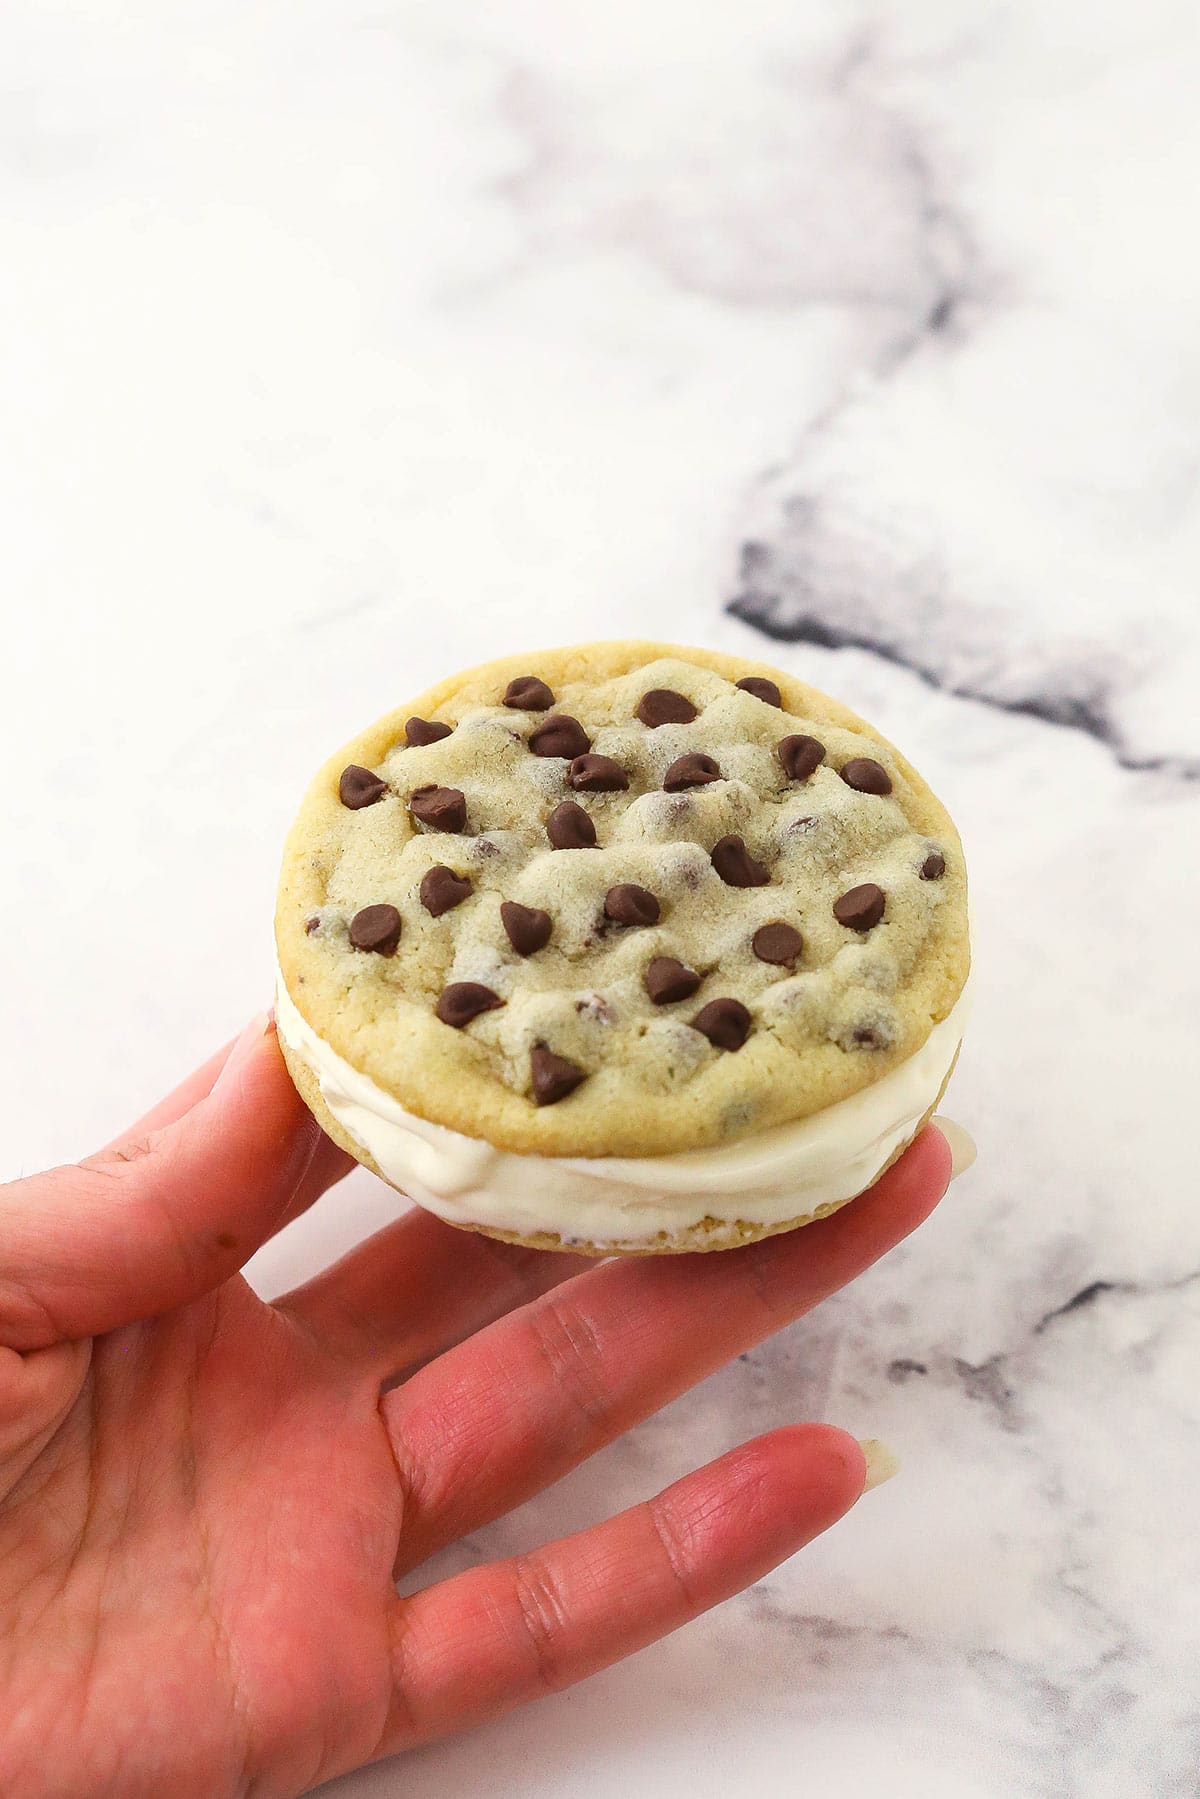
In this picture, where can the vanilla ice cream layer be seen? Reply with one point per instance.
(792, 1170)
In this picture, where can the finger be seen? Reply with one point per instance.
(181, 1099)
(132, 1232)
(416, 1288)
(497, 1636)
(496, 1420)
(328, 1165)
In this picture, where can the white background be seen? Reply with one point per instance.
(342, 345)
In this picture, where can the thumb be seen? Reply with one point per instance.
(155, 1223)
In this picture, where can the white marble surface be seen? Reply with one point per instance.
(342, 344)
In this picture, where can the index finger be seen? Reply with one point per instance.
(158, 1221)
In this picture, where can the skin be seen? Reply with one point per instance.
(205, 1499)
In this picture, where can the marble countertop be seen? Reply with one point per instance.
(343, 345)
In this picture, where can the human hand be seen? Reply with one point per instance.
(204, 1500)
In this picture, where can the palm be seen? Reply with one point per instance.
(204, 1559)
(201, 1515)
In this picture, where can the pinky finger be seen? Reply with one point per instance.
(482, 1642)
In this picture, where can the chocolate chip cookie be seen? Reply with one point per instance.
(622, 900)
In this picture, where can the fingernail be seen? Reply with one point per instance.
(962, 1145)
(882, 1462)
(260, 1025)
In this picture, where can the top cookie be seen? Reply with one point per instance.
(621, 899)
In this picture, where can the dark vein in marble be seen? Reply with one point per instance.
(947, 264)
(755, 605)
(950, 266)
(1086, 1296)
(1095, 1290)
(820, 1634)
(990, 1382)
(904, 1368)
(987, 1383)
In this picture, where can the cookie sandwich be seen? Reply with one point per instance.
(622, 948)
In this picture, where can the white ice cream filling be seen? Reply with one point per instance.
(801, 1169)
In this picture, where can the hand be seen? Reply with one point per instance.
(204, 1499)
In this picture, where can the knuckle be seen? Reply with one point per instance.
(110, 1160)
(672, 1540)
(540, 1615)
(25, 1318)
(763, 1268)
(572, 1351)
(413, 1497)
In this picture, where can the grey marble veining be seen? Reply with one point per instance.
(342, 347)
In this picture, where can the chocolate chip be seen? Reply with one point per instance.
(627, 904)
(725, 1022)
(866, 1038)
(553, 1076)
(761, 688)
(735, 865)
(866, 776)
(527, 927)
(934, 866)
(569, 827)
(861, 908)
(663, 706)
(561, 735)
(442, 890)
(312, 924)
(462, 1001)
(667, 980)
(528, 694)
(376, 928)
(692, 770)
(777, 942)
(358, 787)
(420, 731)
(597, 774)
(441, 808)
(799, 756)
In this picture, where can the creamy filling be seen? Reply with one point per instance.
(800, 1169)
